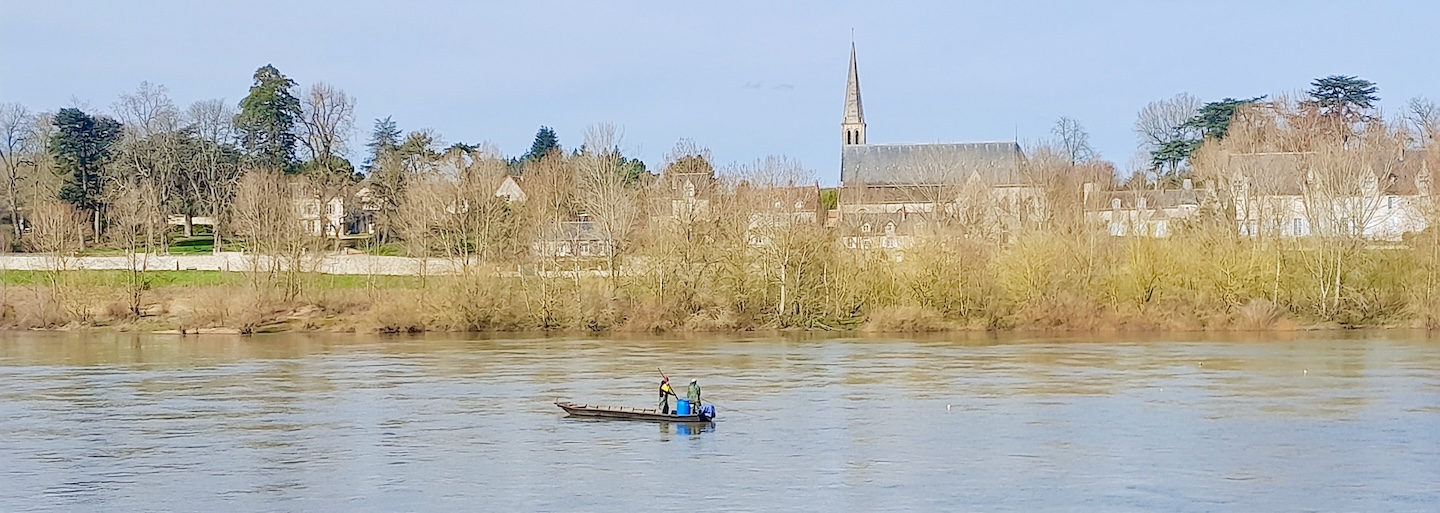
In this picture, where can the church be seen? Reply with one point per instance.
(891, 185)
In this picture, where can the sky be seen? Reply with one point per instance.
(744, 78)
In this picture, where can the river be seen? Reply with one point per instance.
(1313, 422)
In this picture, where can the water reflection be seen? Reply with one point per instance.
(956, 422)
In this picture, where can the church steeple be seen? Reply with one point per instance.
(852, 128)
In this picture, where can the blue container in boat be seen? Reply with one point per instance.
(682, 406)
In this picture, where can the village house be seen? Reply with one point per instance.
(780, 207)
(510, 189)
(889, 231)
(333, 212)
(684, 192)
(1142, 212)
(574, 238)
(1280, 195)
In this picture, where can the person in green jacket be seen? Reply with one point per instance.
(694, 396)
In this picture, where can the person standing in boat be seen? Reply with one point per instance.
(694, 395)
(665, 394)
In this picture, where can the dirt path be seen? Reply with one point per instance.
(325, 264)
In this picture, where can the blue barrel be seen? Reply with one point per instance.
(682, 406)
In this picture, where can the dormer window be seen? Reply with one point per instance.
(889, 228)
(865, 228)
(799, 205)
(1115, 203)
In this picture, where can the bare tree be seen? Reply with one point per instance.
(156, 150)
(216, 163)
(326, 124)
(17, 138)
(59, 231)
(614, 206)
(1072, 139)
(135, 213)
(147, 111)
(267, 214)
(1423, 115)
(1163, 121)
(791, 256)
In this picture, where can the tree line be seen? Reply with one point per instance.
(731, 254)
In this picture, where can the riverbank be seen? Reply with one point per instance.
(231, 302)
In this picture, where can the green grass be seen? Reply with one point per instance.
(119, 277)
(386, 250)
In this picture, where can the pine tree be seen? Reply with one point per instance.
(545, 142)
(82, 146)
(1341, 97)
(384, 138)
(267, 118)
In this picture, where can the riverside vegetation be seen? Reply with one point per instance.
(79, 182)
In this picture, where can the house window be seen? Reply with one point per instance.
(1115, 203)
(689, 189)
(799, 204)
(889, 228)
(1390, 202)
(865, 243)
(865, 228)
(777, 205)
(850, 242)
(890, 242)
(1299, 227)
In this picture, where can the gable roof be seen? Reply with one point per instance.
(992, 163)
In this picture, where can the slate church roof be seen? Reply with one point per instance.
(993, 163)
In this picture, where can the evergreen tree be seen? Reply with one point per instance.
(81, 146)
(384, 138)
(545, 142)
(267, 118)
(632, 169)
(1341, 97)
(1213, 120)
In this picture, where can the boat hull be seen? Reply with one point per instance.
(626, 413)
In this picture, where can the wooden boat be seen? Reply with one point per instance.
(626, 413)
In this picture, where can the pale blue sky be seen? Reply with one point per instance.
(745, 78)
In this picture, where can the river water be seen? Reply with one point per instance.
(106, 422)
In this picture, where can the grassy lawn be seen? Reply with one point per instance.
(117, 277)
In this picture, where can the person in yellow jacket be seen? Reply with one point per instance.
(665, 394)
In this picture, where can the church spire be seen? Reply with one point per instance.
(853, 126)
